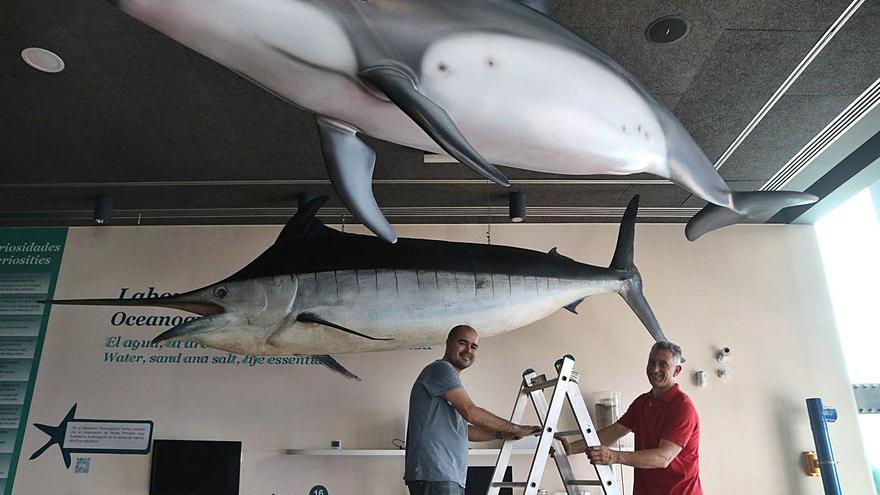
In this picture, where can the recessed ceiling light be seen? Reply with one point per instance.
(42, 59)
(667, 29)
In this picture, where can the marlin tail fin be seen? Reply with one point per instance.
(631, 290)
(753, 206)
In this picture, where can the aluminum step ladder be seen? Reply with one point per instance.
(565, 389)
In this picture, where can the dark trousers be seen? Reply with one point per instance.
(434, 488)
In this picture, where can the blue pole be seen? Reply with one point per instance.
(820, 416)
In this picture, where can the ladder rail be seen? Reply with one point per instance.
(554, 410)
(562, 464)
(591, 437)
(504, 453)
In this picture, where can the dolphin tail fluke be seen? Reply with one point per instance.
(631, 289)
(753, 207)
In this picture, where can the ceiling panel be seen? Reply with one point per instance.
(738, 77)
(781, 135)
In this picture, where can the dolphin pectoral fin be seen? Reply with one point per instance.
(313, 318)
(400, 88)
(334, 365)
(750, 206)
(350, 165)
(572, 306)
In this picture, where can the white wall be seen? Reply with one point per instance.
(757, 289)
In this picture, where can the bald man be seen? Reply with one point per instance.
(443, 418)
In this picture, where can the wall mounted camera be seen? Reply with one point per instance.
(723, 354)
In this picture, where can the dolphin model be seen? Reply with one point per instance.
(485, 81)
(317, 292)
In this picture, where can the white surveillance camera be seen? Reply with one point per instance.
(723, 354)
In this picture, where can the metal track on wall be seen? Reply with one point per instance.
(391, 212)
(326, 182)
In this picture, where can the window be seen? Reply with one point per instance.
(849, 240)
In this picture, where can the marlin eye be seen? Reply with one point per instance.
(221, 292)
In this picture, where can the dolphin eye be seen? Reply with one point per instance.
(221, 292)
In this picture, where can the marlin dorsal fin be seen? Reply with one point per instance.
(304, 223)
(554, 252)
(572, 306)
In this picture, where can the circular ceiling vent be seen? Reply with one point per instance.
(42, 59)
(667, 29)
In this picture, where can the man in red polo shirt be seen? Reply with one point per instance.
(667, 430)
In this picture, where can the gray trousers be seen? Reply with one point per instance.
(434, 488)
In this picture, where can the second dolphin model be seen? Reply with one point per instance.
(486, 81)
(317, 291)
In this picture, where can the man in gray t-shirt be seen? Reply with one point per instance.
(439, 412)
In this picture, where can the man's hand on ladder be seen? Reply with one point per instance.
(522, 432)
(565, 446)
(602, 455)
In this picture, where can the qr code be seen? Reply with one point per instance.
(82, 464)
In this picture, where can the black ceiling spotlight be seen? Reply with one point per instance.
(667, 29)
(103, 209)
(517, 207)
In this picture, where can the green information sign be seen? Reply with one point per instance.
(29, 263)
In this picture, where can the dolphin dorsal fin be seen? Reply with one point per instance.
(543, 6)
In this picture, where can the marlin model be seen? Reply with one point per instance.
(485, 81)
(317, 291)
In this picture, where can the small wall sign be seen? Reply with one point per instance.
(319, 490)
(96, 436)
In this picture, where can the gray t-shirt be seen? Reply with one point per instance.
(436, 436)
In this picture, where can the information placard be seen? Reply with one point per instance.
(100, 436)
(96, 436)
(29, 263)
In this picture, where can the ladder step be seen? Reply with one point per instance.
(584, 482)
(541, 385)
(522, 484)
(509, 484)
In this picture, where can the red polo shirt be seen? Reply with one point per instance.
(672, 417)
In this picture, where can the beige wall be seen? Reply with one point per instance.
(757, 289)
